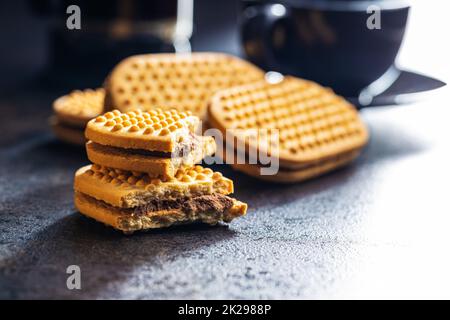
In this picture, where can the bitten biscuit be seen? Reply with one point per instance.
(312, 122)
(67, 133)
(184, 82)
(141, 161)
(78, 107)
(155, 130)
(129, 222)
(131, 201)
(127, 189)
(156, 142)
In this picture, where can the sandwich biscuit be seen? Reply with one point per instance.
(184, 82)
(316, 130)
(156, 142)
(131, 201)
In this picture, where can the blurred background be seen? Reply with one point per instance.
(36, 42)
(35, 39)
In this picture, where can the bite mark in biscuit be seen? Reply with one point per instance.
(123, 220)
(155, 164)
(67, 133)
(131, 201)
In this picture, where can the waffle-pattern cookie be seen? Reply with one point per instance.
(182, 81)
(158, 167)
(131, 201)
(156, 142)
(155, 130)
(311, 124)
(78, 107)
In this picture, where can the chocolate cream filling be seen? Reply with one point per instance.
(182, 149)
(214, 203)
(211, 203)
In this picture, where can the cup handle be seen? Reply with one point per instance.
(258, 33)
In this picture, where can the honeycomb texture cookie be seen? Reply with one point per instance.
(312, 122)
(131, 201)
(154, 166)
(185, 82)
(127, 189)
(123, 220)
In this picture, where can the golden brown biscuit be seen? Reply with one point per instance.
(78, 107)
(131, 201)
(67, 133)
(141, 161)
(127, 189)
(308, 172)
(129, 222)
(175, 81)
(311, 121)
(155, 130)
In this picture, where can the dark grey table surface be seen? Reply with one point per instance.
(378, 228)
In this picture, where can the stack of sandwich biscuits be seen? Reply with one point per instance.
(144, 174)
(184, 82)
(316, 130)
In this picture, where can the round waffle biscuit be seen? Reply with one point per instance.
(185, 82)
(152, 165)
(125, 199)
(311, 122)
(78, 107)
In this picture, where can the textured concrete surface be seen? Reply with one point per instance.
(378, 228)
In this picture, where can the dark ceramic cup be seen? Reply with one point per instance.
(344, 44)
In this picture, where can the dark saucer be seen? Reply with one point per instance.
(396, 87)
